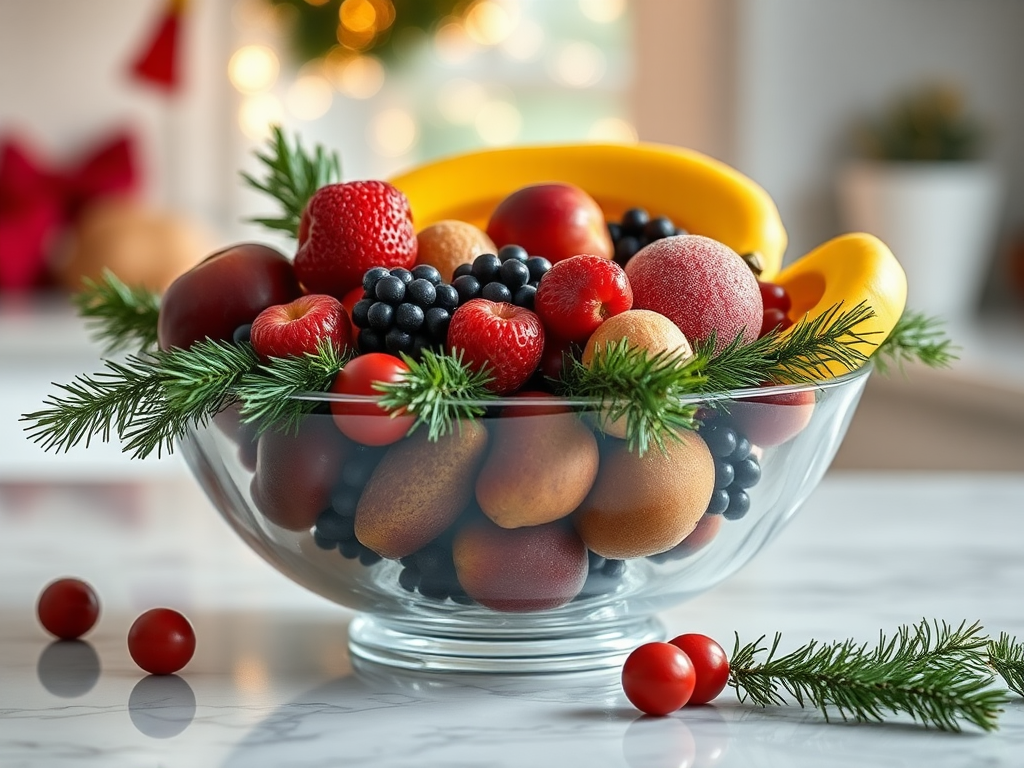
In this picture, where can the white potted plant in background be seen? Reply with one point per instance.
(922, 188)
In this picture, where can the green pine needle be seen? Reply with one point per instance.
(292, 176)
(932, 673)
(440, 390)
(915, 337)
(1006, 656)
(271, 395)
(118, 316)
(148, 401)
(627, 382)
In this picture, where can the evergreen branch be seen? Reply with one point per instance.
(148, 401)
(929, 673)
(915, 337)
(268, 395)
(117, 315)
(643, 389)
(440, 390)
(292, 176)
(1006, 656)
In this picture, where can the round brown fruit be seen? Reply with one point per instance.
(542, 464)
(773, 419)
(524, 569)
(644, 505)
(701, 285)
(450, 243)
(222, 292)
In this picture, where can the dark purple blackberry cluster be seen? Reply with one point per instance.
(431, 572)
(638, 229)
(510, 276)
(404, 311)
(603, 576)
(335, 526)
(736, 470)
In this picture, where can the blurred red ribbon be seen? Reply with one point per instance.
(37, 202)
(157, 63)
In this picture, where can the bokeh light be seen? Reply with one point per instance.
(393, 132)
(578, 64)
(253, 68)
(309, 97)
(358, 15)
(358, 77)
(498, 122)
(488, 22)
(257, 113)
(614, 130)
(525, 42)
(452, 43)
(603, 11)
(460, 99)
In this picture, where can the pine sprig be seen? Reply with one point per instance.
(440, 390)
(148, 401)
(919, 337)
(1006, 656)
(921, 672)
(292, 176)
(271, 395)
(645, 390)
(118, 316)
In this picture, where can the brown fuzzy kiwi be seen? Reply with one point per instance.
(449, 243)
(418, 489)
(643, 505)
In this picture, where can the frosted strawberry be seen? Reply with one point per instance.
(507, 339)
(348, 228)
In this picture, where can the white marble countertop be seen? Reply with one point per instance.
(272, 685)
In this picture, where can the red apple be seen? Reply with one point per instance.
(555, 221)
(225, 290)
(773, 419)
(701, 285)
(298, 328)
(580, 293)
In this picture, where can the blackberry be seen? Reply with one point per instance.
(511, 275)
(335, 526)
(603, 575)
(404, 310)
(638, 229)
(736, 470)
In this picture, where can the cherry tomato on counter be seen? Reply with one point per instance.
(161, 641)
(710, 665)
(68, 608)
(658, 678)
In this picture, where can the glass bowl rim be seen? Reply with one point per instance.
(746, 393)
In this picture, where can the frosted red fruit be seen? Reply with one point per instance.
(701, 285)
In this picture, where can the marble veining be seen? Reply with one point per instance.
(272, 683)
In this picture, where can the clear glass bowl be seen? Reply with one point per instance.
(456, 591)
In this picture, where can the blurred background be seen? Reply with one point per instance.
(124, 125)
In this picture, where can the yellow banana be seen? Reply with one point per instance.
(700, 194)
(848, 269)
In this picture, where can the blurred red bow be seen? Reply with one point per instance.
(35, 203)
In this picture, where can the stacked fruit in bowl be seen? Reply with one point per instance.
(511, 404)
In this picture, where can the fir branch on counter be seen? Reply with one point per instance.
(440, 390)
(268, 394)
(931, 673)
(292, 176)
(148, 401)
(1006, 656)
(629, 383)
(118, 316)
(915, 336)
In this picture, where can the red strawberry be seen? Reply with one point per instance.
(287, 330)
(348, 228)
(578, 294)
(509, 340)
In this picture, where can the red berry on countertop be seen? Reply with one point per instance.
(348, 228)
(658, 678)
(68, 608)
(710, 665)
(298, 328)
(578, 294)
(161, 641)
(507, 340)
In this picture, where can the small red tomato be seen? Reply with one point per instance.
(774, 296)
(161, 641)
(658, 678)
(710, 665)
(68, 608)
(368, 423)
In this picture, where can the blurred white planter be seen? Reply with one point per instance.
(939, 219)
